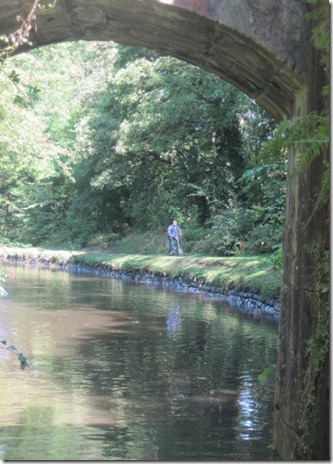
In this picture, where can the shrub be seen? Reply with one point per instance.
(228, 230)
(264, 238)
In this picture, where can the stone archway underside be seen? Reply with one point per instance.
(258, 46)
(263, 47)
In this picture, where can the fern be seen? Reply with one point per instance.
(308, 135)
(324, 192)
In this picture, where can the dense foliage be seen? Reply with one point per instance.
(100, 142)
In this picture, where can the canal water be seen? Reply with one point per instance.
(125, 371)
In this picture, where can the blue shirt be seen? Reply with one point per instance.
(174, 230)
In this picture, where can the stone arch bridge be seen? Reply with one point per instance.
(264, 48)
(260, 46)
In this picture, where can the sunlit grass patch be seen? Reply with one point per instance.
(241, 273)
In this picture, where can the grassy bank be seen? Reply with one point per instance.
(243, 273)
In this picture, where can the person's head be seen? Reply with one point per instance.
(174, 223)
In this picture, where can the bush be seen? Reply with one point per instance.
(228, 231)
(103, 241)
(192, 236)
(142, 243)
(264, 238)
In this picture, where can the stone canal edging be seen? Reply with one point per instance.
(248, 302)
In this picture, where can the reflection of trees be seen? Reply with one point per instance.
(168, 397)
(152, 376)
(38, 438)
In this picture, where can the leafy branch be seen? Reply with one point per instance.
(21, 35)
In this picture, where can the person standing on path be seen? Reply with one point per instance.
(173, 231)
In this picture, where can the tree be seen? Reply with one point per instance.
(120, 130)
(172, 138)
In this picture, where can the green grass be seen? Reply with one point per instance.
(242, 273)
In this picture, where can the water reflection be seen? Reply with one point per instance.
(129, 372)
(173, 318)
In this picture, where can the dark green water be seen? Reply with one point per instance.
(122, 371)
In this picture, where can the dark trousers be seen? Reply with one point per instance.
(172, 248)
